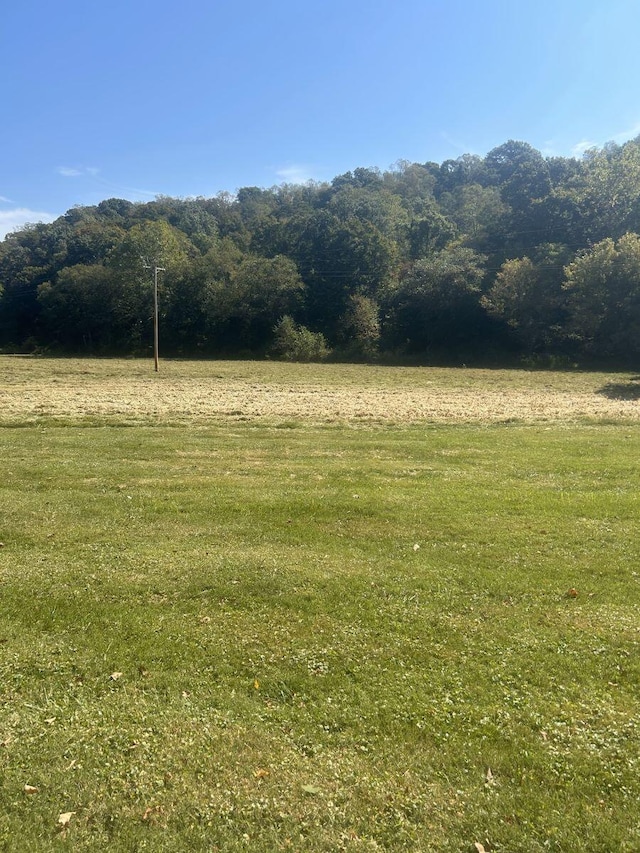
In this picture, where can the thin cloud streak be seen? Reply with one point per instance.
(295, 174)
(625, 135)
(93, 173)
(75, 172)
(11, 220)
(581, 147)
(457, 144)
(131, 190)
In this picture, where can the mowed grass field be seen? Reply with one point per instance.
(253, 606)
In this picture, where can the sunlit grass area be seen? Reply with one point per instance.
(286, 634)
(182, 392)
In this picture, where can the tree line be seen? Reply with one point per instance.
(509, 256)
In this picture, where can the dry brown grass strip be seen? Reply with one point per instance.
(129, 390)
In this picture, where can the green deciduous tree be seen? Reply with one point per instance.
(477, 211)
(608, 192)
(131, 265)
(337, 258)
(429, 230)
(528, 296)
(78, 310)
(437, 304)
(243, 296)
(294, 342)
(521, 172)
(359, 333)
(264, 289)
(603, 290)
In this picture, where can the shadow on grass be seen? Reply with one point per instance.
(629, 390)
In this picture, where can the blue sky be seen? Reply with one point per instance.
(138, 98)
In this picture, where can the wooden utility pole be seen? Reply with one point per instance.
(156, 349)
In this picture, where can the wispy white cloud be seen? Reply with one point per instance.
(132, 193)
(93, 172)
(580, 147)
(625, 135)
(549, 149)
(77, 171)
(295, 174)
(458, 144)
(5, 200)
(18, 217)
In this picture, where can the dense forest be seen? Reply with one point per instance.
(512, 256)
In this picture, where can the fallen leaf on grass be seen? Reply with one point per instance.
(416, 547)
(479, 847)
(151, 811)
(31, 789)
(261, 773)
(310, 789)
(490, 777)
(115, 676)
(65, 818)
(256, 684)
(572, 593)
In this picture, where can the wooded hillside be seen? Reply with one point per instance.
(512, 255)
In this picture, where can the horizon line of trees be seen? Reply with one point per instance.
(509, 256)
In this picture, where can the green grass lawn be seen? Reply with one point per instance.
(285, 636)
